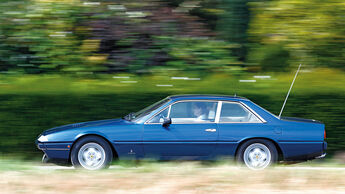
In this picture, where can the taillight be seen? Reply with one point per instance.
(324, 134)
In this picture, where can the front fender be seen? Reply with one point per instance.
(98, 133)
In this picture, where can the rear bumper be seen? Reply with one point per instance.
(322, 156)
(310, 156)
(324, 146)
(324, 151)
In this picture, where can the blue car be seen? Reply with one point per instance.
(188, 127)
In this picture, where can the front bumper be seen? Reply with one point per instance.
(55, 150)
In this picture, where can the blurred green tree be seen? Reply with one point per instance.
(197, 54)
(37, 36)
(54, 36)
(271, 57)
(311, 31)
(160, 35)
(233, 25)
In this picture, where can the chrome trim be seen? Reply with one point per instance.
(322, 156)
(169, 111)
(256, 114)
(219, 108)
(218, 112)
(56, 149)
(249, 109)
(183, 123)
(239, 122)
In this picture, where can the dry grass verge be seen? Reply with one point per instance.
(185, 177)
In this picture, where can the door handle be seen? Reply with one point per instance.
(210, 130)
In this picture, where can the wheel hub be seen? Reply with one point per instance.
(257, 156)
(91, 156)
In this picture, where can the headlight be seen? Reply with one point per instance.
(42, 138)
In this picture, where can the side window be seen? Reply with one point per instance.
(235, 112)
(193, 112)
(159, 118)
(180, 110)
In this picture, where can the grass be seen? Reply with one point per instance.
(14, 165)
(311, 81)
(171, 177)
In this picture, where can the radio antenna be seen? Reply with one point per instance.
(287, 96)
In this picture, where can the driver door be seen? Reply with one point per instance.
(188, 135)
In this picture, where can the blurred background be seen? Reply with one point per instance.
(67, 61)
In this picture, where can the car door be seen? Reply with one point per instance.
(238, 122)
(192, 132)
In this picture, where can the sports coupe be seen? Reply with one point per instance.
(188, 127)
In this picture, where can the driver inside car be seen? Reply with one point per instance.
(199, 110)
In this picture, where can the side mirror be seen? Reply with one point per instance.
(166, 122)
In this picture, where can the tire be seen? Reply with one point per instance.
(45, 158)
(91, 153)
(257, 154)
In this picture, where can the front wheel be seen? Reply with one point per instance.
(91, 153)
(45, 158)
(257, 154)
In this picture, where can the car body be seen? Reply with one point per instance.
(174, 129)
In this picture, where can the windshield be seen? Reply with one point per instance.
(147, 110)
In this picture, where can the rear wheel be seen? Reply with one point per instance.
(257, 154)
(91, 153)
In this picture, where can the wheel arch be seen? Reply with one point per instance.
(115, 154)
(280, 152)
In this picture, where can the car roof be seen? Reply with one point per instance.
(205, 97)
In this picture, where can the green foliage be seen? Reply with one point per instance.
(37, 36)
(24, 117)
(31, 104)
(197, 54)
(311, 30)
(211, 40)
(210, 11)
(233, 25)
(79, 37)
(271, 57)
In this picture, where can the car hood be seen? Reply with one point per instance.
(300, 120)
(85, 124)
